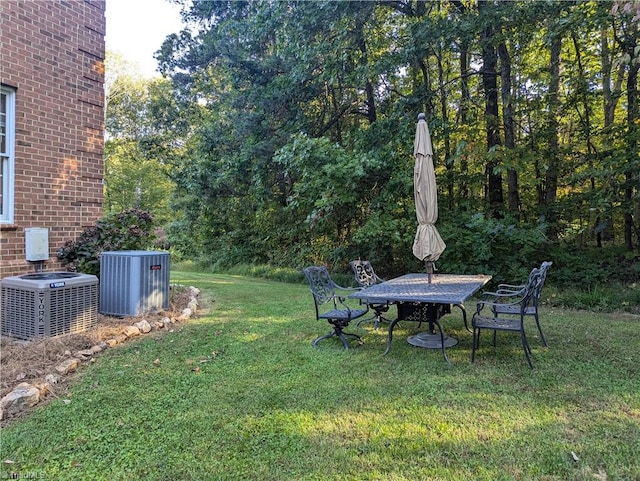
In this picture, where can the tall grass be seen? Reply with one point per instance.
(240, 394)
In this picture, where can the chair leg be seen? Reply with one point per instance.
(372, 318)
(344, 340)
(344, 335)
(338, 332)
(544, 341)
(377, 319)
(380, 319)
(526, 348)
(476, 344)
(321, 338)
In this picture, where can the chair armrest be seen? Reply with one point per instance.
(491, 303)
(350, 289)
(512, 292)
(491, 299)
(486, 296)
(344, 295)
(343, 300)
(510, 288)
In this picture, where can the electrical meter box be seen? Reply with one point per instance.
(36, 241)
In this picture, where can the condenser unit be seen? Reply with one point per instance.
(47, 304)
(133, 283)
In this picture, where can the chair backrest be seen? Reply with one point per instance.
(544, 267)
(533, 286)
(322, 286)
(364, 273)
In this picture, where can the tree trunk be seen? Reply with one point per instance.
(490, 84)
(465, 100)
(631, 172)
(509, 129)
(551, 176)
(444, 112)
(610, 97)
(364, 63)
(602, 229)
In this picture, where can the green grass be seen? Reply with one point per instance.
(265, 405)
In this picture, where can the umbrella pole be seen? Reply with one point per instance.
(429, 268)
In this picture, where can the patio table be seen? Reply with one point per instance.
(419, 300)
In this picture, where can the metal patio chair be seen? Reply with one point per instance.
(331, 306)
(532, 309)
(491, 320)
(366, 277)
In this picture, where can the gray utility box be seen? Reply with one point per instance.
(133, 283)
(48, 304)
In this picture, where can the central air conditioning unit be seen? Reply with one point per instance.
(48, 304)
(133, 283)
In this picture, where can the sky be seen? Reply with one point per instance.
(137, 28)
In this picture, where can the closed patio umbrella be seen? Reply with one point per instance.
(427, 245)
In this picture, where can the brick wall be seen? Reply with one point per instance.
(52, 52)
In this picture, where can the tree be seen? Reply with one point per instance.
(491, 111)
(139, 143)
(297, 147)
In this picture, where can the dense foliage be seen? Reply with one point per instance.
(139, 142)
(293, 127)
(132, 229)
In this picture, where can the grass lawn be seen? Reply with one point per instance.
(240, 394)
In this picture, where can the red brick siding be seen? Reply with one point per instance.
(52, 53)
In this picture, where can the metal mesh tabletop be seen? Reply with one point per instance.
(422, 301)
(444, 289)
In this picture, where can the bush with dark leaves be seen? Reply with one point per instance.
(132, 229)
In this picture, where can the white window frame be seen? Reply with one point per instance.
(8, 156)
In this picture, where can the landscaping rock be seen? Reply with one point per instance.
(131, 331)
(21, 398)
(68, 366)
(84, 354)
(44, 388)
(111, 342)
(143, 326)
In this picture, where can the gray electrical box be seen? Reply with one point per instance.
(36, 240)
(133, 283)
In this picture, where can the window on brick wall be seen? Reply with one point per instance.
(7, 140)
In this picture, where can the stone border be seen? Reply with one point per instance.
(25, 395)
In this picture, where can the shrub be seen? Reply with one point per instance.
(501, 247)
(131, 229)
